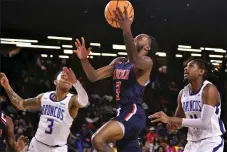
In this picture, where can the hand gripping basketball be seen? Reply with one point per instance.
(125, 8)
(122, 18)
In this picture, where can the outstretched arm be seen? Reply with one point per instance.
(21, 104)
(210, 99)
(92, 74)
(95, 75)
(179, 112)
(16, 100)
(144, 63)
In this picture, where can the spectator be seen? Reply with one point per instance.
(160, 149)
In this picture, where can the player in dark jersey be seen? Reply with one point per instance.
(130, 78)
(7, 136)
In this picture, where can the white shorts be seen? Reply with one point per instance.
(36, 146)
(212, 144)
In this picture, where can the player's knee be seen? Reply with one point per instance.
(97, 140)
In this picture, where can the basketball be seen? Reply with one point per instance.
(112, 6)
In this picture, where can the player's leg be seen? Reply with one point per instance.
(212, 144)
(36, 146)
(32, 146)
(190, 147)
(60, 149)
(133, 123)
(111, 131)
(128, 144)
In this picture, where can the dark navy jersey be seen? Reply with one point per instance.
(2, 132)
(126, 86)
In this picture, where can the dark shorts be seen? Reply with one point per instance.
(133, 118)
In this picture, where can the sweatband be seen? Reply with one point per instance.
(203, 122)
(82, 94)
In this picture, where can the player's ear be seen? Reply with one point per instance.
(55, 82)
(201, 72)
(147, 48)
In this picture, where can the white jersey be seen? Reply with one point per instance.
(55, 120)
(192, 105)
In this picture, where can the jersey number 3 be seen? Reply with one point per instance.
(50, 126)
(118, 90)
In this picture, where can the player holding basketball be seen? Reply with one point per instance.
(7, 136)
(199, 109)
(58, 109)
(130, 78)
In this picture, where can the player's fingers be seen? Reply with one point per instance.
(125, 12)
(120, 13)
(83, 41)
(66, 70)
(78, 43)
(116, 18)
(20, 137)
(71, 71)
(75, 51)
(89, 50)
(155, 115)
(155, 120)
(150, 117)
(26, 140)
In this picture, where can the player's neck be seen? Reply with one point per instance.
(195, 86)
(60, 94)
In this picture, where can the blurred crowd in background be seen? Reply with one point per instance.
(30, 75)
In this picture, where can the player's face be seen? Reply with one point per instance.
(142, 44)
(62, 81)
(192, 71)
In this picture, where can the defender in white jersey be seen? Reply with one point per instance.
(199, 109)
(58, 109)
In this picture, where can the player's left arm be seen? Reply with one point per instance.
(210, 99)
(78, 101)
(81, 99)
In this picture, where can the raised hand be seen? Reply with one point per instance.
(123, 19)
(159, 116)
(81, 51)
(70, 75)
(4, 80)
(21, 142)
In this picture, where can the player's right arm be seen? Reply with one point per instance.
(16, 100)
(92, 74)
(95, 75)
(179, 111)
